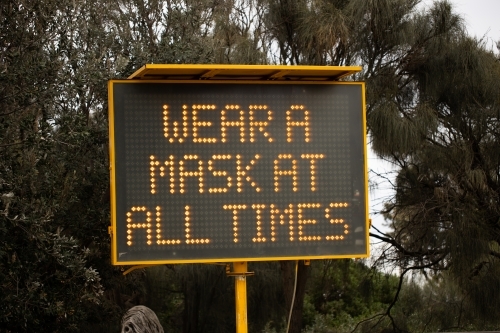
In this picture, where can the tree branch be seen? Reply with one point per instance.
(394, 243)
(12, 144)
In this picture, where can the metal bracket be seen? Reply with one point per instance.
(210, 74)
(236, 274)
(307, 262)
(278, 75)
(133, 268)
(110, 230)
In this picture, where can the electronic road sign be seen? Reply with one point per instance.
(237, 171)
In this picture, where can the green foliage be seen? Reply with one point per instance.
(443, 136)
(433, 110)
(47, 274)
(344, 292)
(200, 298)
(193, 298)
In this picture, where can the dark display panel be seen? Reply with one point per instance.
(219, 172)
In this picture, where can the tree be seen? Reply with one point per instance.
(432, 110)
(344, 292)
(47, 278)
(438, 122)
(432, 107)
(381, 35)
(312, 33)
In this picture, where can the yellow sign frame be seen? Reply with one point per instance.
(217, 74)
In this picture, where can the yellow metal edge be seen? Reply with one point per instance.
(208, 67)
(236, 66)
(365, 145)
(243, 66)
(137, 72)
(220, 260)
(111, 122)
(126, 81)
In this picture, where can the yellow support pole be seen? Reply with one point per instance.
(240, 288)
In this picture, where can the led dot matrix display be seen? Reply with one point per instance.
(204, 172)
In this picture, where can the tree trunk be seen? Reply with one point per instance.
(191, 308)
